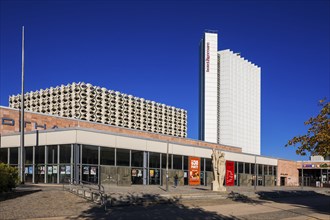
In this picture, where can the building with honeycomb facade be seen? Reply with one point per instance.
(92, 103)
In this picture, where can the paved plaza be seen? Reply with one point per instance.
(185, 202)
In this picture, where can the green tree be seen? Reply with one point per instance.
(317, 139)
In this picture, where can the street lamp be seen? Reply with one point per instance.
(22, 116)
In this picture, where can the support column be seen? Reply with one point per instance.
(33, 163)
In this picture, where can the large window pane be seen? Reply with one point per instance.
(89, 154)
(202, 164)
(28, 155)
(107, 156)
(40, 154)
(154, 160)
(3, 155)
(169, 161)
(260, 168)
(137, 159)
(185, 162)
(265, 170)
(65, 153)
(253, 168)
(240, 167)
(13, 155)
(270, 170)
(52, 154)
(177, 162)
(208, 166)
(122, 157)
(247, 168)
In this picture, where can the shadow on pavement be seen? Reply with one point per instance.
(15, 194)
(313, 200)
(237, 197)
(150, 207)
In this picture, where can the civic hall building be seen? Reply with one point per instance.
(58, 148)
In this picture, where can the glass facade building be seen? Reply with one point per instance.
(59, 164)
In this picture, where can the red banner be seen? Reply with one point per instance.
(194, 170)
(230, 172)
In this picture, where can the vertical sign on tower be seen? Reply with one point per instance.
(230, 172)
(194, 170)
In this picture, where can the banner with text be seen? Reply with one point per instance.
(194, 170)
(230, 172)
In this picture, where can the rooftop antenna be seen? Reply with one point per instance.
(22, 168)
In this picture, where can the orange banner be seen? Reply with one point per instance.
(194, 170)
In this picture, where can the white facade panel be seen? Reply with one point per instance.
(131, 143)
(210, 79)
(155, 146)
(240, 102)
(66, 137)
(100, 139)
(182, 150)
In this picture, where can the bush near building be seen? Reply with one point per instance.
(8, 177)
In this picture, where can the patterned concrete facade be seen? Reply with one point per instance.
(96, 104)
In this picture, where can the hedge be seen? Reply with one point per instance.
(8, 177)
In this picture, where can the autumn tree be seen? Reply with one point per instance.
(317, 139)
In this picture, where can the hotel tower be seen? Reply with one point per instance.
(230, 92)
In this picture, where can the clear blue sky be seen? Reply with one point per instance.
(150, 49)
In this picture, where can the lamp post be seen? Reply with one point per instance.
(167, 167)
(255, 172)
(302, 174)
(22, 116)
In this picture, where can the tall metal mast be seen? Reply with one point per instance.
(22, 115)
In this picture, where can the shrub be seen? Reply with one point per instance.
(8, 177)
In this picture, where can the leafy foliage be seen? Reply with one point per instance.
(8, 177)
(317, 139)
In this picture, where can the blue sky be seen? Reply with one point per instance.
(150, 49)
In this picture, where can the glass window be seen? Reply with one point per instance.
(89, 154)
(265, 169)
(65, 153)
(185, 162)
(260, 168)
(122, 157)
(3, 155)
(52, 154)
(252, 168)
(240, 167)
(107, 156)
(137, 158)
(208, 164)
(247, 168)
(202, 164)
(275, 171)
(270, 170)
(177, 162)
(164, 161)
(28, 155)
(13, 155)
(154, 160)
(40, 154)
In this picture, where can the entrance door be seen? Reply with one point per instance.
(283, 181)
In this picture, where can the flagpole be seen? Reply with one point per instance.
(22, 115)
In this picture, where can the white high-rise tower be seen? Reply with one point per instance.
(229, 97)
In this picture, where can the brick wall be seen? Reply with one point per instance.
(10, 116)
(288, 169)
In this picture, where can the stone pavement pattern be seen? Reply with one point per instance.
(53, 203)
(42, 202)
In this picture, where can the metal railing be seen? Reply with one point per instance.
(87, 190)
